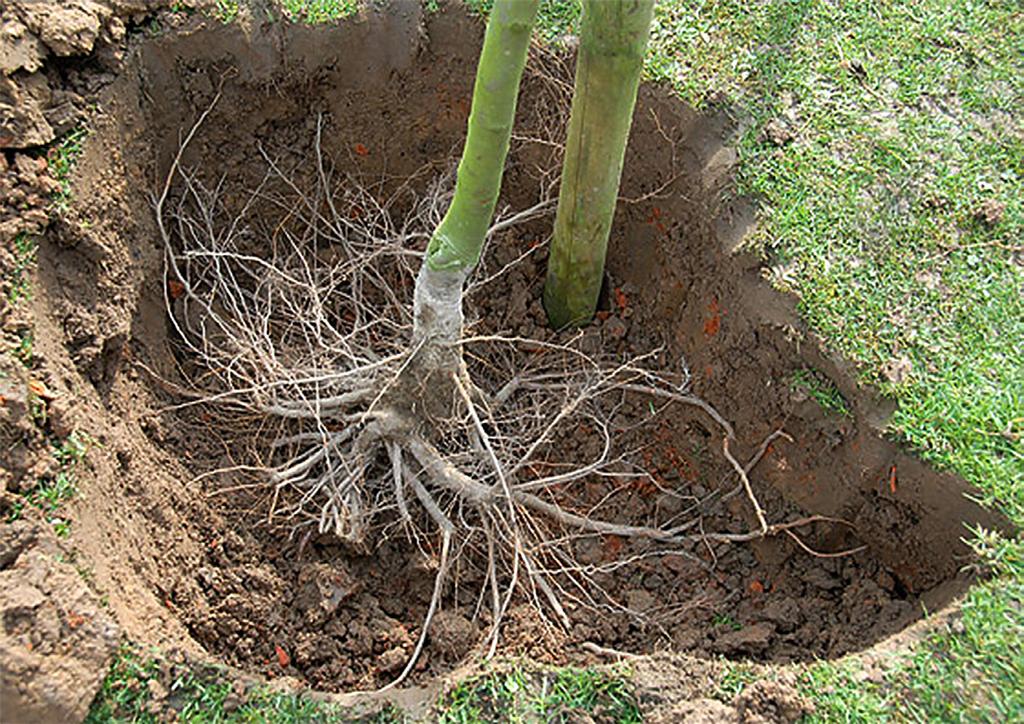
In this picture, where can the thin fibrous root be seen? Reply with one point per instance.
(296, 309)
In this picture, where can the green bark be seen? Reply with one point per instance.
(458, 239)
(611, 54)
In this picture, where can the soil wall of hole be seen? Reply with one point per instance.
(192, 563)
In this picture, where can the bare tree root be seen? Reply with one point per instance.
(294, 300)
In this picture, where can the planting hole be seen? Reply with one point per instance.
(304, 169)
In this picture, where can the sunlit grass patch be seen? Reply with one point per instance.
(61, 159)
(319, 11)
(143, 688)
(517, 694)
(53, 490)
(19, 287)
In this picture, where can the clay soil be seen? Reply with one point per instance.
(190, 560)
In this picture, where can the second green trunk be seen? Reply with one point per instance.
(611, 54)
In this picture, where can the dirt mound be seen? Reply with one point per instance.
(675, 688)
(44, 80)
(188, 557)
(56, 638)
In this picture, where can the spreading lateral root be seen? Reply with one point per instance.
(295, 304)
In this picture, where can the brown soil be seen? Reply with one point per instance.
(682, 689)
(193, 563)
(53, 627)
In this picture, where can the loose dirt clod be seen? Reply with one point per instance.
(56, 639)
(32, 110)
(213, 361)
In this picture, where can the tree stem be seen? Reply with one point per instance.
(455, 246)
(612, 47)
(458, 239)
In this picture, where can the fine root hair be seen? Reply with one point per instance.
(293, 301)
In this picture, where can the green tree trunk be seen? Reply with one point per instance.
(611, 54)
(455, 246)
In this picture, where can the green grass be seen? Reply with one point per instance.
(734, 680)
(724, 620)
(906, 119)
(969, 671)
(50, 493)
(125, 694)
(841, 693)
(551, 695)
(23, 351)
(869, 211)
(225, 10)
(494, 696)
(19, 286)
(204, 695)
(319, 11)
(62, 157)
(555, 20)
(820, 389)
(974, 673)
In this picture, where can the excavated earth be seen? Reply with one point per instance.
(188, 561)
